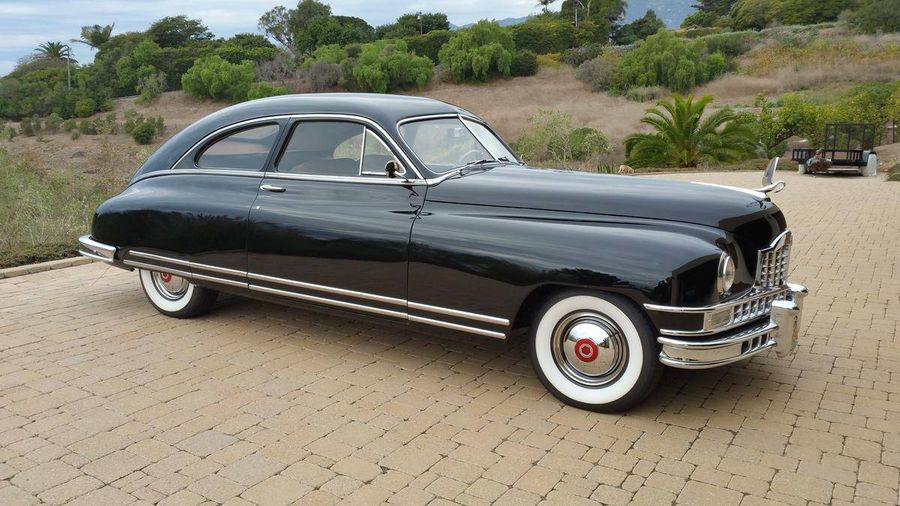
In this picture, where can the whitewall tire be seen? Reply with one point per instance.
(595, 351)
(176, 296)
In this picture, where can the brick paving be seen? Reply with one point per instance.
(103, 401)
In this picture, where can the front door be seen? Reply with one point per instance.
(329, 226)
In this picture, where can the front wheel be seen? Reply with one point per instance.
(595, 351)
(175, 296)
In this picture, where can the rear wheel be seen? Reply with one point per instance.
(175, 296)
(595, 351)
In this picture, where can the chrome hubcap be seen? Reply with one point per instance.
(589, 348)
(169, 286)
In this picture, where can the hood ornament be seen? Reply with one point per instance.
(769, 177)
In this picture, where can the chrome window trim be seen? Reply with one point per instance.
(228, 133)
(299, 117)
(323, 288)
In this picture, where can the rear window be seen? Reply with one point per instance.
(246, 149)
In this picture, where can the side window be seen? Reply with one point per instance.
(334, 148)
(245, 149)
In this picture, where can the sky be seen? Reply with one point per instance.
(26, 23)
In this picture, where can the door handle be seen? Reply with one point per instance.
(270, 188)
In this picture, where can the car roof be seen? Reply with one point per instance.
(384, 109)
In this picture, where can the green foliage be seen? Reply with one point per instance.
(731, 44)
(69, 125)
(577, 55)
(877, 16)
(700, 19)
(639, 29)
(178, 31)
(667, 60)
(806, 12)
(683, 137)
(550, 137)
(87, 127)
(644, 93)
(477, 52)
(7, 133)
(429, 44)
(524, 63)
(324, 76)
(263, 90)
(216, 79)
(27, 127)
(150, 87)
(52, 123)
(753, 14)
(543, 34)
(387, 65)
(340, 30)
(85, 107)
(332, 53)
(144, 133)
(246, 46)
(96, 35)
(601, 73)
(409, 25)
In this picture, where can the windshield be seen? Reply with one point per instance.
(447, 143)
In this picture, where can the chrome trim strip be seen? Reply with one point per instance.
(329, 289)
(456, 326)
(193, 265)
(738, 337)
(93, 256)
(461, 314)
(680, 364)
(344, 179)
(97, 250)
(715, 307)
(188, 275)
(160, 258)
(332, 302)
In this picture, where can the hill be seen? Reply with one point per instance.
(672, 12)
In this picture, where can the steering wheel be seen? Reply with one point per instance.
(477, 153)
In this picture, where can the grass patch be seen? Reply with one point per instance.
(894, 173)
(43, 213)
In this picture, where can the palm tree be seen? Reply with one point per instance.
(684, 138)
(55, 51)
(95, 36)
(545, 4)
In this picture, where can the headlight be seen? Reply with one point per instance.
(725, 277)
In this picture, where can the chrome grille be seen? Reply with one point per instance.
(755, 343)
(746, 311)
(773, 262)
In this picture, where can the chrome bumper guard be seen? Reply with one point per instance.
(96, 250)
(780, 331)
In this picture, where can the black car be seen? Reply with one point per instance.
(414, 210)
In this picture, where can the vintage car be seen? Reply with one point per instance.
(416, 211)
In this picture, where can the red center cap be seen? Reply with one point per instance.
(165, 277)
(586, 350)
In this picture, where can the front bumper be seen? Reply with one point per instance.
(96, 250)
(779, 331)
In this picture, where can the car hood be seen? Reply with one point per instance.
(640, 197)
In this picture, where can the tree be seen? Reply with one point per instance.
(55, 51)
(877, 16)
(276, 24)
(753, 14)
(804, 12)
(684, 138)
(409, 25)
(639, 29)
(545, 4)
(717, 7)
(177, 31)
(95, 36)
(476, 52)
(326, 30)
(310, 25)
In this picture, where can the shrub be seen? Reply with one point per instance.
(644, 93)
(332, 53)
(324, 76)
(160, 125)
(214, 78)
(429, 44)
(132, 118)
(477, 52)
(578, 55)
(85, 107)
(144, 133)
(600, 73)
(387, 65)
(87, 127)
(28, 128)
(69, 125)
(107, 125)
(587, 142)
(546, 33)
(639, 29)
(75, 135)
(263, 90)
(731, 44)
(150, 87)
(7, 133)
(700, 19)
(877, 16)
(52, 123)
(753, 14)
(524, 63)
(666, 60)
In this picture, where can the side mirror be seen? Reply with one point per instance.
(394, 169)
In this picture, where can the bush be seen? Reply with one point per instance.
(107, 125)
(144, 133)
(27, 127)
(644, 94)
(332, 53)
(753, 14)
(324, 76)
(877, 16)
(473, 54)
(578, 55)
(731, 44)
(214, 78)
(7, 133)
(387, 65)
(639, 29)
(601, 73)
(546, 33)
(52, 123)
(702, 19)
(150, 87)
(87, 127)
(132, 118)
(263, 90)
(85, 107)
(429, 44)
(524, 63)
(587, 142)
(69, 125)
(75, 135)
(667, 60)
(160, 125)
